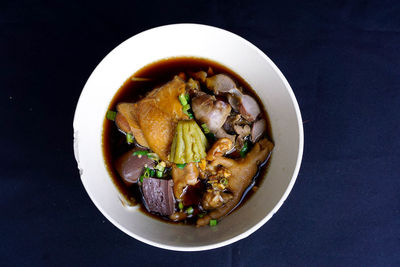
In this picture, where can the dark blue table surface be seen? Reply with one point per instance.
(342, 59)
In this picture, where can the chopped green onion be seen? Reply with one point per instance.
(224, 181)
(180, 205)
(189, 210)
(205, 128)
(183, 99)
(213, 222)
(186, 111)
(141, 178)
(153, 156)
(159, 167)
(159, 174)
(181, 166)
(111, 115)
(129, 138)
(149, 172)
(201, 215)
(186, 108)
(244, 149)
(141, 153)
(146, 173)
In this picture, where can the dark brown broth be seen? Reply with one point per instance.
(160, 72)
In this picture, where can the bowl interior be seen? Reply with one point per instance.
(229, 50)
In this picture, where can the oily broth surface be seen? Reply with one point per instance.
(158, 73)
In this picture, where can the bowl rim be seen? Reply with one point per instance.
(285, 194)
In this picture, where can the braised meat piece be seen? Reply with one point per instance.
(207, 109)
(158, 196)
(130, 167)
(242, 172)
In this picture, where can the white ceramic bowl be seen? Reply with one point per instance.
(240, 56)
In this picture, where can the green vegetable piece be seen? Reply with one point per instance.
(201, 215)
(189, 143)
(180, 145)
(159, 174)
(149, 173)
(159, 167)
(111, 115)
(213, 222)
(205, 128)
(187, 138)
(186, 110)
(244, 149)
(224, 181)
(189, 210)
(183, 100)
(153, 156)
(129, 138)
(146, 173)
(203, 138)
(180, 205)
(140, 152)
(181, 166)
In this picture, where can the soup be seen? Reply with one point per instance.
(187, 139)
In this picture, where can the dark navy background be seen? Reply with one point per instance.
(342, 59)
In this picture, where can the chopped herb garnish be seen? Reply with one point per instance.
(111, 115)
(129, 138)
(153, 156)
(201, 215)
(160, 167)
(213, 222)
(159, 174)
(181, 166)
(186, 108)
(183, 99)
(141, 178)
(205, 128)
(189, 210)
(180, 205)
(141, 153)
(244, 149)
(224, 181)
(149, 172)
(146, 173)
